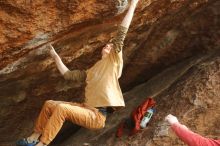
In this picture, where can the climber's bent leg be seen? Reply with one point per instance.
(46, 111)
(79, 114)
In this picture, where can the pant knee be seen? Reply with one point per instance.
(61, 107)
(48, 102)
(61, 110)
(48, 107)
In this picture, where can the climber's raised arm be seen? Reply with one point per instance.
(118, 41)
(75, 75)
(128, 17)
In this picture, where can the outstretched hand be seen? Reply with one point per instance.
(53, 53)
(171, 119)
(134, 2)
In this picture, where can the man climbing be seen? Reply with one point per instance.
(187, 136)
(102, 91)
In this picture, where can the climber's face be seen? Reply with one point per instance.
(107, 49)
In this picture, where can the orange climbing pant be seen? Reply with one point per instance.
(54, 113)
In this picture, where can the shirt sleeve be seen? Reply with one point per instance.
(191, 138)
(75, 75)
(118, 40)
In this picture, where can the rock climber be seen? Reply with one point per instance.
(102, 90)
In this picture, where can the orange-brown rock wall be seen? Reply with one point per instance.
(163, 33)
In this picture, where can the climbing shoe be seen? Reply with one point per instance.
(24, 142)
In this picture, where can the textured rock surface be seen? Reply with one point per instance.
(163, 33)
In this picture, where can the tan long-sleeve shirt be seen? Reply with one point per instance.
(103, 88)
